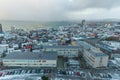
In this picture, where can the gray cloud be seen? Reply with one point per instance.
(52, 10)
(83, 4)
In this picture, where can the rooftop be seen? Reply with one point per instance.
(84, 45)
(72, 61)
(59, 46)
(93, 50)
(97, 54)
(31, 55)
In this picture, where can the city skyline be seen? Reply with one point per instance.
(58, 10)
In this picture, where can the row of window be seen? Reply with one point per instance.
(91, 59)
(35, 64)
(25, 61)
(67, 50)
(61, 49)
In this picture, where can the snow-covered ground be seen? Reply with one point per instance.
(116, 76)
(21, 77)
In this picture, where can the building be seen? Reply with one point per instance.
(1, 52)
(1, 31)
(65, 51)
(93, 56)
(4, 47)
(73, 63)
(83, 25)
(1, 28)
(110, 48)
(30, 59)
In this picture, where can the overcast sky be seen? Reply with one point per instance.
(58, 10)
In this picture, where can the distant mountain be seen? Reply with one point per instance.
(112, 19)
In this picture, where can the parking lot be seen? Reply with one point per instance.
(24, 71)
(64, 74)
(71, 74)
(88, 74)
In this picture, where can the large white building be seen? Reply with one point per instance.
(93, 56)
(65, 51)
(29, 59)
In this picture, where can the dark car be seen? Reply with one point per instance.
(78, 73)
(7, 73)
(63, 72)
(1, 74)
(109, 76)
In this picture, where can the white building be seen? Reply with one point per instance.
(65, 51)
(93, 56)
(29, 59)
(15, 46)
(4, 47)
(10, 50)
(73, 63)
(1, 34)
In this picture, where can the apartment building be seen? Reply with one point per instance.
(93, 56)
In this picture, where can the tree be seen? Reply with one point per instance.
(45, 78)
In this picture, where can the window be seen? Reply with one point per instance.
(91, 59)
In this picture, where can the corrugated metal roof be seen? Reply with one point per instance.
(61, 47)
(33, 56)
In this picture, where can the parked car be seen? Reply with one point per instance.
(16, 72)
(78, 73)
(33, 71)
(7, 73)
(19, 71)
(42, 71)
(83, 75)
(63, 72)
(109, 75)
(29, 71)
(23, 72)
(1, 74)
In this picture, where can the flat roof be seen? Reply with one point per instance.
(91, 50)
(72, 61)
(97, 54)
(105, 47)
(84, 45)
(61, 46)
(31, 55)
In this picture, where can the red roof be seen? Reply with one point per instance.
(28, 47)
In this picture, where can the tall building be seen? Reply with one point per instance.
(12, 29)
(83, 24)
(1, 28)
(1, 31)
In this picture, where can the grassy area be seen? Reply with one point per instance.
(60, 63)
